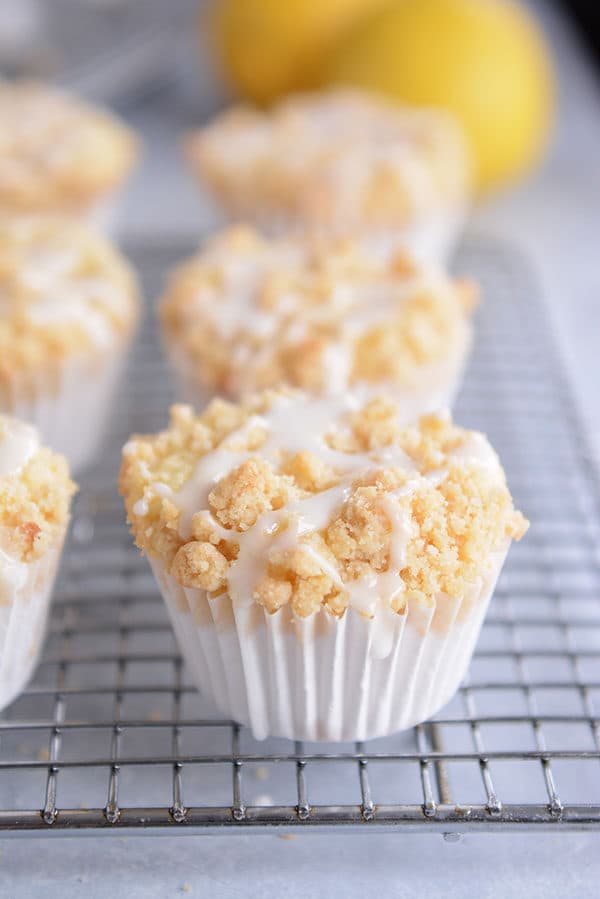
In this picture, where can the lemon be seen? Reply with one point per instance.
(271, 47)
(484, 60)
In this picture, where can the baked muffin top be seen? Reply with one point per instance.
(339, 158)
(35, 496)
(322, 314)
(57, 152)
(290, 500)
(63, 290)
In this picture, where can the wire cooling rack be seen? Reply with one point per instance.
(112, 736)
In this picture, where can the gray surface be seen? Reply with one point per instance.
(311, 867)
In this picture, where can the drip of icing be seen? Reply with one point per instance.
(384, 586)
(18, 443)
(80, 301)
(475, 450)
(270, 534)
(57, 292)
(292, 425)
(156, 488)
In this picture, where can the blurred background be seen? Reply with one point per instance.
(521, 77)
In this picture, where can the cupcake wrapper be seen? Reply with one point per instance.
(71, 406)
(323, 678)
(23, 617)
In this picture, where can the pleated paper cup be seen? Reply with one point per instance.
(326, 678)
(71, 404)
(24, 603)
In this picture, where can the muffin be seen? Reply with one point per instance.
(248, 313)
(68, 309)
(326, 568)
(58, 154)
(35, 496)
(341, 161)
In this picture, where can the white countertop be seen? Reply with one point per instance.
(556, 219)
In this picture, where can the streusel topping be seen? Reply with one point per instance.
(322, 314)
(57, 152)
(63, 289)
(286, 499)
(35, 494)
(337, 158)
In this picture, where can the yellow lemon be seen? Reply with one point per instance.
(271, 47)
(484, 60)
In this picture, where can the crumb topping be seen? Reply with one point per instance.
(338, 158)
(247, 313)
(63, 289)
(285, 499)
(57, 152)
(35, 494)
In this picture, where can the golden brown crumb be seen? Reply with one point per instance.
(337, 158)
(199, 565)
(428, 504)
(96, 150)
(34, 506)
(247, 313)
(64, 290)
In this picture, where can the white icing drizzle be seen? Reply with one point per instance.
(18, 443)
(56, 290)
(330, 147)
(293, 425)
(270, 534)
(157, 488)
(475, 450)
(296, 423)
(354, 305)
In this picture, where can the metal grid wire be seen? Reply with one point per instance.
(111, 734)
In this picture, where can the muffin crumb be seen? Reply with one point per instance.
(413, 511)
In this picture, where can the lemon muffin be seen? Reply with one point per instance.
(341, 161)
(58, 154)
(68, 309)
(35, 496)
(248, 312)
(326, 568)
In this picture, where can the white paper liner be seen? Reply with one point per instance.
(323, 678)
(72, 405)
(23, 619)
